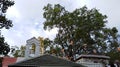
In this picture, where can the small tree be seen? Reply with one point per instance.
(18, 52)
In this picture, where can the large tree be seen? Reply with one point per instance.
(4, 23)
(83, 25)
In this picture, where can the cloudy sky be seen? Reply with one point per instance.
(27, 17)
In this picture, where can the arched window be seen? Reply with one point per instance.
(32, 48)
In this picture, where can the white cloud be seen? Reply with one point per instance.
(51, 34)
(13, 14)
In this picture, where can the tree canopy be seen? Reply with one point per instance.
(4, 23)
(83, 25)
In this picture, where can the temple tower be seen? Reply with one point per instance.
(32, 48)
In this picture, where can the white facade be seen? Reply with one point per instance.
(93, 60)
(30, 42)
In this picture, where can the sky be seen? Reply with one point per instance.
(27, 17)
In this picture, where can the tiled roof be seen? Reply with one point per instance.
(7, 60)
(45, 60)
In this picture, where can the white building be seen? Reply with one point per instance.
(93, 60)
(34, 48)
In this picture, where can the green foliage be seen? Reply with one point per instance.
(114, 55)
(54, 49)
(47, 42)
(83, 25)
(18, 52)
(4, 22)
(4, 47)
(22, 51)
